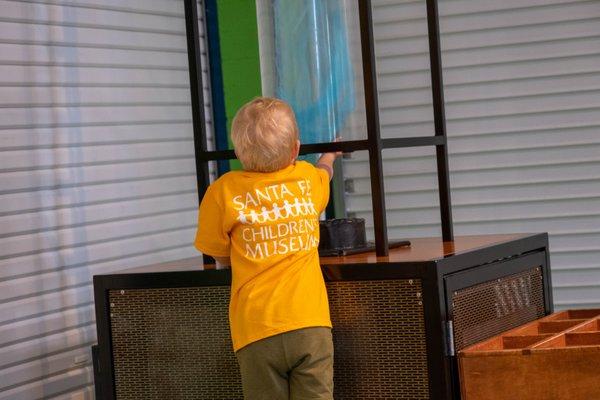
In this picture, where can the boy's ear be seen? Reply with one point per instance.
(296, 150)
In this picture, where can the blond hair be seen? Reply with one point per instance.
(264, 134)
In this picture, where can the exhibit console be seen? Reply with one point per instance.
(398, 321)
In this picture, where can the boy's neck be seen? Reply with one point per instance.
(271, 172)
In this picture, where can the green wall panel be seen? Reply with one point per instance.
(240, 63)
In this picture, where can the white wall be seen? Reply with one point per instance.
(97, 173)
(522, 86)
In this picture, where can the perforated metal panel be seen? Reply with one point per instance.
(492, 307)
(379, 340)
(173, 343)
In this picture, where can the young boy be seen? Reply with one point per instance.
(264, 222)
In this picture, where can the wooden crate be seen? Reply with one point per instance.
(555, 357)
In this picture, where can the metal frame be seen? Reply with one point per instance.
(439, 278)
(374, 144)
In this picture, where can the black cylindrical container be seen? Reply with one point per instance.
(342, 234)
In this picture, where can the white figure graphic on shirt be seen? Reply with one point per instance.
(242, 217)
(277, 211)
(301, 206)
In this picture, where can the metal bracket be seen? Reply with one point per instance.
(449, 338)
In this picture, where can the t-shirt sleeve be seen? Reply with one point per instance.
(212, 237)
(323, 183)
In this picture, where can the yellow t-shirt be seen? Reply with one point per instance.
(268, 223)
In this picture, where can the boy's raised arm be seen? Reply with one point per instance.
(326, 162)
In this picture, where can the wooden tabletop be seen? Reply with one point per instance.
(426, 249)
(421, 249)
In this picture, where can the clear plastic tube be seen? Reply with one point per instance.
(313, 68)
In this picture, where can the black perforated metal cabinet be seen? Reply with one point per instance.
(163, 330)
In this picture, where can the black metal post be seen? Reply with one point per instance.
(547, 277)
(373, 132)
(105, 354)
(437, 87)
(197, 97)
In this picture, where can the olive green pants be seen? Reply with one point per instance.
(294, 365)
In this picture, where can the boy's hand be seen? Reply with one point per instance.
(222, 262)
(337, 153)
